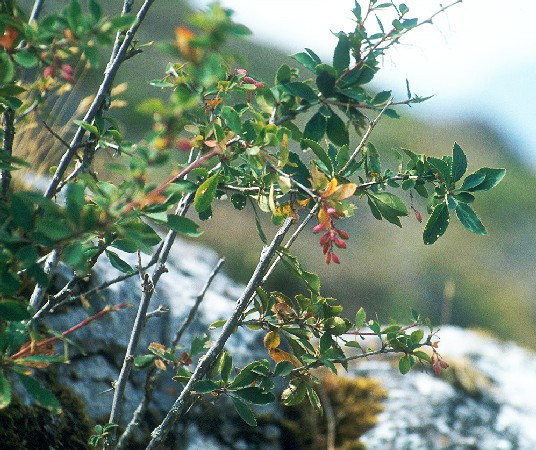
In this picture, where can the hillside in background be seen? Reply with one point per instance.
(464, 279)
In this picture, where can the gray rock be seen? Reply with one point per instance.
(485, 401)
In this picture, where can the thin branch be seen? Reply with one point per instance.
(36, 10)
(153, 376)
(148, 288)
(40, 290)
(56, 135)
(195, 307)
(30, 348)
(7, 150)
(162, 310)
(97, 104)
(366, 136)
(181, 404)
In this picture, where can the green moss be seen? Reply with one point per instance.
(31, 427)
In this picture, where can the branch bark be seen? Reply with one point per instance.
(97, 104)
(181, 404)
(7, 150)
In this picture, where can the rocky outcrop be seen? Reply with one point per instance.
(485, 400)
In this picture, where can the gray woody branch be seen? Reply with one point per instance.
(182, 403)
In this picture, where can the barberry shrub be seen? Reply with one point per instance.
(298, 147)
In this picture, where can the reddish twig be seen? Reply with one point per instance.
(160, 189)
(30, 347)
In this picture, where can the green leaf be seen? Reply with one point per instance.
(95, 10)
(75, 201)
(5, 391)
(441, 168)
(294, 393)
(42, 395)
(465, 197)
(302, 90)
(390, 206)
(239, 201)
(493, 178)
(226, 366)
(472, 181)
(326, 77)
(122, 23)
(183, 225)
(459, 162)
(244, 411)
(206, 193)
(305, 60)
(7, 69)
(437, 224)
(315, 128)
(13, 310)
(283, 74)
(118, 263)
(205, 386)
(341, 55)
(469, 219)
(404, 364)
(360, 318)
(381, 97)
(88, 127)
(283, 369)
(26, 59)
(232, 118)
(337, 131)
(255, 395)
(319, 151)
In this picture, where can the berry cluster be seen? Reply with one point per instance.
(333, 236)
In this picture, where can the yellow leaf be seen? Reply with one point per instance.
(272, 340)
(330, 188)
(318, 180)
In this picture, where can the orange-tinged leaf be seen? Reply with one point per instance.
(330, 188)
(160, 364)
(283, 312)
(272, 340)
(9, 37)
(323, 217)
(343, 191)
(279, 355)
(183, 41)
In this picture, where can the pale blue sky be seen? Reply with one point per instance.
(479, 58)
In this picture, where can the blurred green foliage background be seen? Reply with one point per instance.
(463, 279)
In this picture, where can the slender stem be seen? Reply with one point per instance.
(365, 137)
(7, 150)
(30, 349)
(331, 423)
(40, 290)
(198, 300)
(148, 288)
(36, 10)
(152, 376)
(97, 104)
(181, 404)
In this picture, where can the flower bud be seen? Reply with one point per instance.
(249, 80)
(258, 85)
(331, 211)
(241, 71)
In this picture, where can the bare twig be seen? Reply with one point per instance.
(181, 404)
(36, 10)
(7, 150)
(97, 104)
(153, 376)
(195, 307)
(365, 137)
(40, 290)
(148, 288)
(162, 310)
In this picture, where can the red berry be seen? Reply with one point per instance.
(335, 258)
(49, 71)
(241, 71)
(340, 243)
(319, 228)
(325, 238)
(343, 234)
(437, 369)
(443, 364)
(331, 211)
(328, 258)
